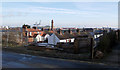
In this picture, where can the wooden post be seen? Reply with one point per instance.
(7, 37)
(27, 38)
(117, 34)
(91, 48)
(76, 46)
(21, 38)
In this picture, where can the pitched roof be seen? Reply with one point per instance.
(59, 36)
(65, 36)
(68, 35)
(75, 34)
(48, 32)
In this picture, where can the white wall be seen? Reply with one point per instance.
(53, 39)
(73, 39)
(46, 36)
(39, 38)
(98, 35)
(64, 40)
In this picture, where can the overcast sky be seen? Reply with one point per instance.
(64, 14)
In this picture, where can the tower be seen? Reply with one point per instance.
(52, 25)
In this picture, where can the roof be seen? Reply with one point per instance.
(59, 36)
(98, 31)
(66, 35)
(75, 34)
(35, 35)
(88, 29)
(33, 30)
(43, 34)
(48, 32)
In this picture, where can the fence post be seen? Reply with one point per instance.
(117, 35)
(91, 48)
(76, 46)
(7, 37)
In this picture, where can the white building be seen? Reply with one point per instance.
(46, 36)
(7, 27)
(38, 38)
(56, 38)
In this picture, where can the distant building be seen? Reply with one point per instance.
(88, 29)
(38, 38)
(4, 27)
(29, 33)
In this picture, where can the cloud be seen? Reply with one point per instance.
(83, 10)
(44, 10)
(38, 10)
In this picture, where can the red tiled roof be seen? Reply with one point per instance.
(33, 30)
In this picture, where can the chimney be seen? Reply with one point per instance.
(42, 29)
(69, 30)
(52, 25)
(78, 30)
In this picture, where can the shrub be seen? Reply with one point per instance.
(107, 41)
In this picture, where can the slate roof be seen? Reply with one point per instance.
(66, 35)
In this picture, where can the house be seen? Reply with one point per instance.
(38, 38)
(31, 33)
(88, 29)
(56, 38)
(61, 31)
(98, 33)
(46, 36)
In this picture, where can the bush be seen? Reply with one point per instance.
(107, 41)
